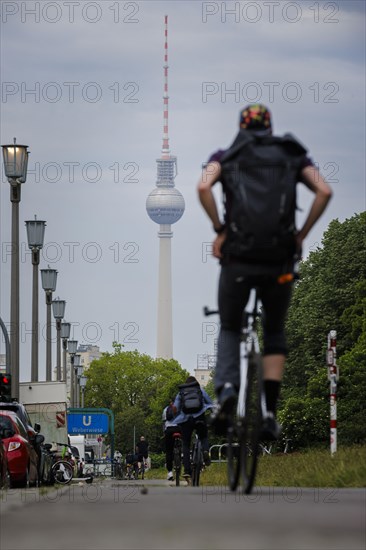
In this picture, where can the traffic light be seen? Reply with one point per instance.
(5, 388)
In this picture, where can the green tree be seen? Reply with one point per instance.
(136, 388)
(330, 295)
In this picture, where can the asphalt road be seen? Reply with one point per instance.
(116, 515)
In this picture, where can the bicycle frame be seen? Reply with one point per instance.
(197, 460)
(249, 345)
(177, 456)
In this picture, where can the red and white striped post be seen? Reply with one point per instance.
(333, 377)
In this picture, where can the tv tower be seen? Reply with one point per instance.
(165, 206)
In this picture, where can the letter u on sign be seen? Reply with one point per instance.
(87, 420)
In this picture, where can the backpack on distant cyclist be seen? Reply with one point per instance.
(192, 397)
(259, 177)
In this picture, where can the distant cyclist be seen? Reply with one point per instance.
(132, 464)
(170, 427)
(256, 244)
(142, 450)
(191, 403)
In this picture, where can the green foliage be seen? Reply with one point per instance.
(304, 421)
(330, 295)
(351, 396)
(157, 460)
(136, 388)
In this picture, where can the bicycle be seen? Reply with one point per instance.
(131, 471)
(141, 470)
(61, 470)
(197, 461)
(177, 456)
(118, 469)
(244, 426)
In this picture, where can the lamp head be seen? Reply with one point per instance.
(35, 232)
(15, 161)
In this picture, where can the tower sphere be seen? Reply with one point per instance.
(165, 205)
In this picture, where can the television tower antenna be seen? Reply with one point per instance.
(166, 151)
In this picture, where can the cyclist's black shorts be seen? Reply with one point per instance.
(234, 290)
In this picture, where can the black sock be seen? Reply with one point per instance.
(272, 392)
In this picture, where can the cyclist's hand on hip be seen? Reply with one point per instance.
(299, 242)
(217, 244)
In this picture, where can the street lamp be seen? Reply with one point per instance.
(79, 374)
(15, 158)
(72, 346)
(83, 380)
(35, 235)
(49, 280)
(58, 307)
(65, 335)
(77, 360)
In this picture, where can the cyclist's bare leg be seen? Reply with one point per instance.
(273, 367)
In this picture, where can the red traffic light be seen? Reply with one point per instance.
(5, 387)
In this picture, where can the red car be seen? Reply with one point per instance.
(21, 455)
(4, 472)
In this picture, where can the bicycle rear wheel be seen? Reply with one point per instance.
(233, 453)
(197, 462)
(62, 472)
(177, 464)
(251, 423)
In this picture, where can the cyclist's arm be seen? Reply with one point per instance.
(207, 399)
(178, 403)
(312, 178)
(210, 175)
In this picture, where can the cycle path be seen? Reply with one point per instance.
(154, 514)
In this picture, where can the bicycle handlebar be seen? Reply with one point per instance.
(207, 311)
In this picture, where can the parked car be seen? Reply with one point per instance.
(4, 470)
(20, 410)
(21, 454)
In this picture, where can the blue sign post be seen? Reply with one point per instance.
(87, 423)
(92, 421)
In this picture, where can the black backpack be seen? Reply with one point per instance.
(192, 397)
(259, 177)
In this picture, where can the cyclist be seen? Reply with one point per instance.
(190, 421)
(239, 275)
(142, 450)
(132, 462)
(170, 427)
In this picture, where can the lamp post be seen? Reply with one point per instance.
(77, 360)
(72, 346)
(83, 380)
(79, 374)
(35, 235)
(15, 158)
(58, 307)
(65, 335)
(49, 279)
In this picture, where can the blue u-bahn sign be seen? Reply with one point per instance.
(87, 423)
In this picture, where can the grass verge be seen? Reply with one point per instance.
(310, 468)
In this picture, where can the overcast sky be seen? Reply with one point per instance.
(82, 85)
